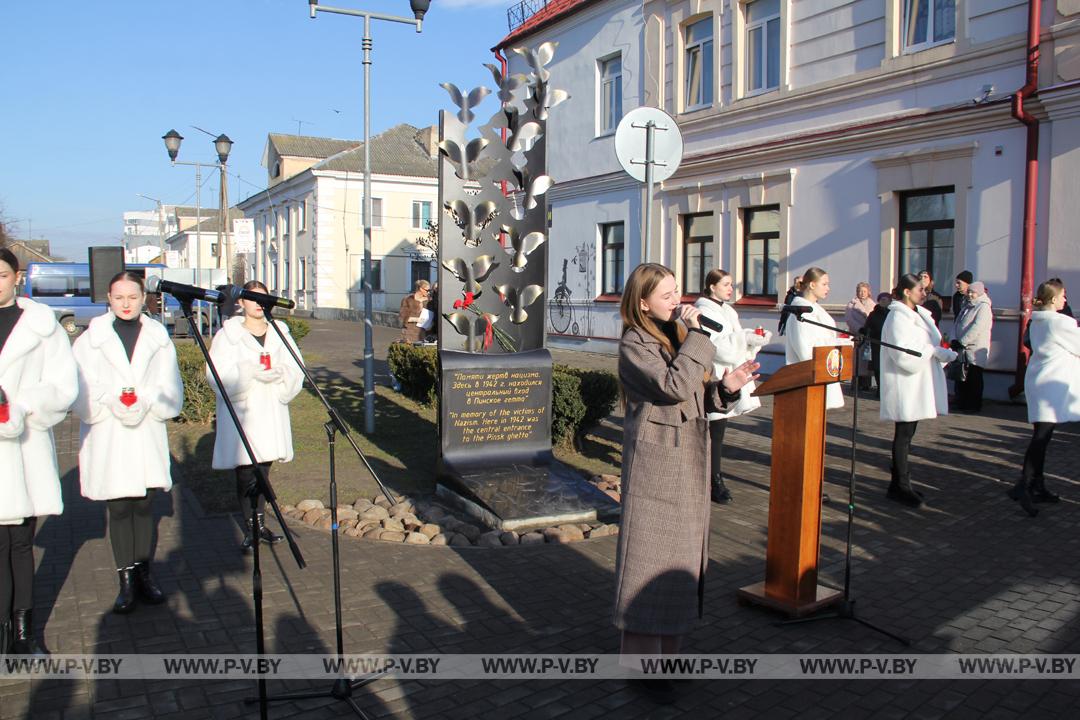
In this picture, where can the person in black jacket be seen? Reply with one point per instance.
(959, 297)
(874, 322)
(934, 303)
(792, 292)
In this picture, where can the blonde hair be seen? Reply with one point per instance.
(1047, 293)
(642, 282)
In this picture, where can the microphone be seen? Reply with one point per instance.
(183, 292)
(797, 309)
(239, 293)
(710, 324)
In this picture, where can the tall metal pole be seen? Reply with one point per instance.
(369, 351)
(224, 246)
(198, 241)
(650, 128)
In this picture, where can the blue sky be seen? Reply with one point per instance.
(87, 89)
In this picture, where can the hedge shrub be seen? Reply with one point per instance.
(298, 327)
(580, 398)
(199, 401)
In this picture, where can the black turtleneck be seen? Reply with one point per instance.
(128, 330)
(8, 317)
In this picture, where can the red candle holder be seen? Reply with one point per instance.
(128, 397)
(264, 360)
(5, 410)
(759, 331)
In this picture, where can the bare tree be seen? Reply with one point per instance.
(5, 235)
(431, 240)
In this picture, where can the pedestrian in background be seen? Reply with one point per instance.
(734, 346)
(934, 302)
(129, 387)
(874, 324)
(963, 279)
(802, 337)
(38, 383)
(971, 337)
(665, 371)
(792, 293)
(1051, 387)
(856, 314)
(912, 388)
(413, 306)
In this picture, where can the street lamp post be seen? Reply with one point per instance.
(419, 8)
(222, 144)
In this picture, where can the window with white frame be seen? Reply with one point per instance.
(421, 214)
(762, 45)
(287, 216)
(698, 64)
(273, 225)
(610, 93)
(273, 276)
(376, 212)
(301, 279)
(699, 230)
(761, 250)
(612, 258)
(928, 22)
(301, 216)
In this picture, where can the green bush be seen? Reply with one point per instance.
(298, 327)
(580, 398)
(599, 392)
(199, 401)
(416, 367)
(567, 407)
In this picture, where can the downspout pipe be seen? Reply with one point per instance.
(1031, 189)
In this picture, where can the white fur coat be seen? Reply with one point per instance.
(802, 338)
(1052, 382)
(913, 388)
(115, 460)
(734, 346)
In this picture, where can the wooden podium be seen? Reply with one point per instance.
(798, 455)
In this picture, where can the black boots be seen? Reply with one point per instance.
(720, 493)
(145, 586)
(23, 630)
(5, 637)
(900, 491)
(265, 534)
(1019, 493)
(1040, 494)
(125, 600)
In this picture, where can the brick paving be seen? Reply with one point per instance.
(969, 573)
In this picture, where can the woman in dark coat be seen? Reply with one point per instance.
(664, 371)
(875, 321)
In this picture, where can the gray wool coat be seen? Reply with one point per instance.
(663, 541)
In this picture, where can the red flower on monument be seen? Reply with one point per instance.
(459, 304)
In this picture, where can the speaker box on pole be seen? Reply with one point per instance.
(105, 263)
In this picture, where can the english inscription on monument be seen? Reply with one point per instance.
(497, 406)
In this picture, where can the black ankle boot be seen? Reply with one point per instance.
(720, 493)
(5, 637)
(245, 544)
(23, 632)
(125, 600)
(1019, 493)
(904, 495)
(149, 591)
(266, 534)
(1040, 494)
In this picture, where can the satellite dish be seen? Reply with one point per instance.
(631, 144)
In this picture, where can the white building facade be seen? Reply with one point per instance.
(868, 138)
(309, 234)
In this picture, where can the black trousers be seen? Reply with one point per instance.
(131, 529)
(16, 567)
(245, 485)
(901, 447)
(969, 393)
(1035, 457)
(716, 449)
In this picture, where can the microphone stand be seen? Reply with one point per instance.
(845, 608)
(262, 487)
(343, 688)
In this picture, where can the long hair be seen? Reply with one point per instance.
(640, 285)
(711, 279)
(1044, 296)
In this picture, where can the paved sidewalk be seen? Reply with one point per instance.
(969, 573)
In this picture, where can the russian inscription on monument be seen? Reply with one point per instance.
(497, 405)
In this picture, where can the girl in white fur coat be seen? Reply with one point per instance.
(129, 387)
(802, 337)
(261, 378)
(1051, 386)
(734, 346)
(912, 388)
(37, 380)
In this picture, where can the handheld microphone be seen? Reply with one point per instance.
(798, 309)
(180, 291)
(239, 293)
(710, 324)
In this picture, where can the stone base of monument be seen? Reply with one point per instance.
(523, 497)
